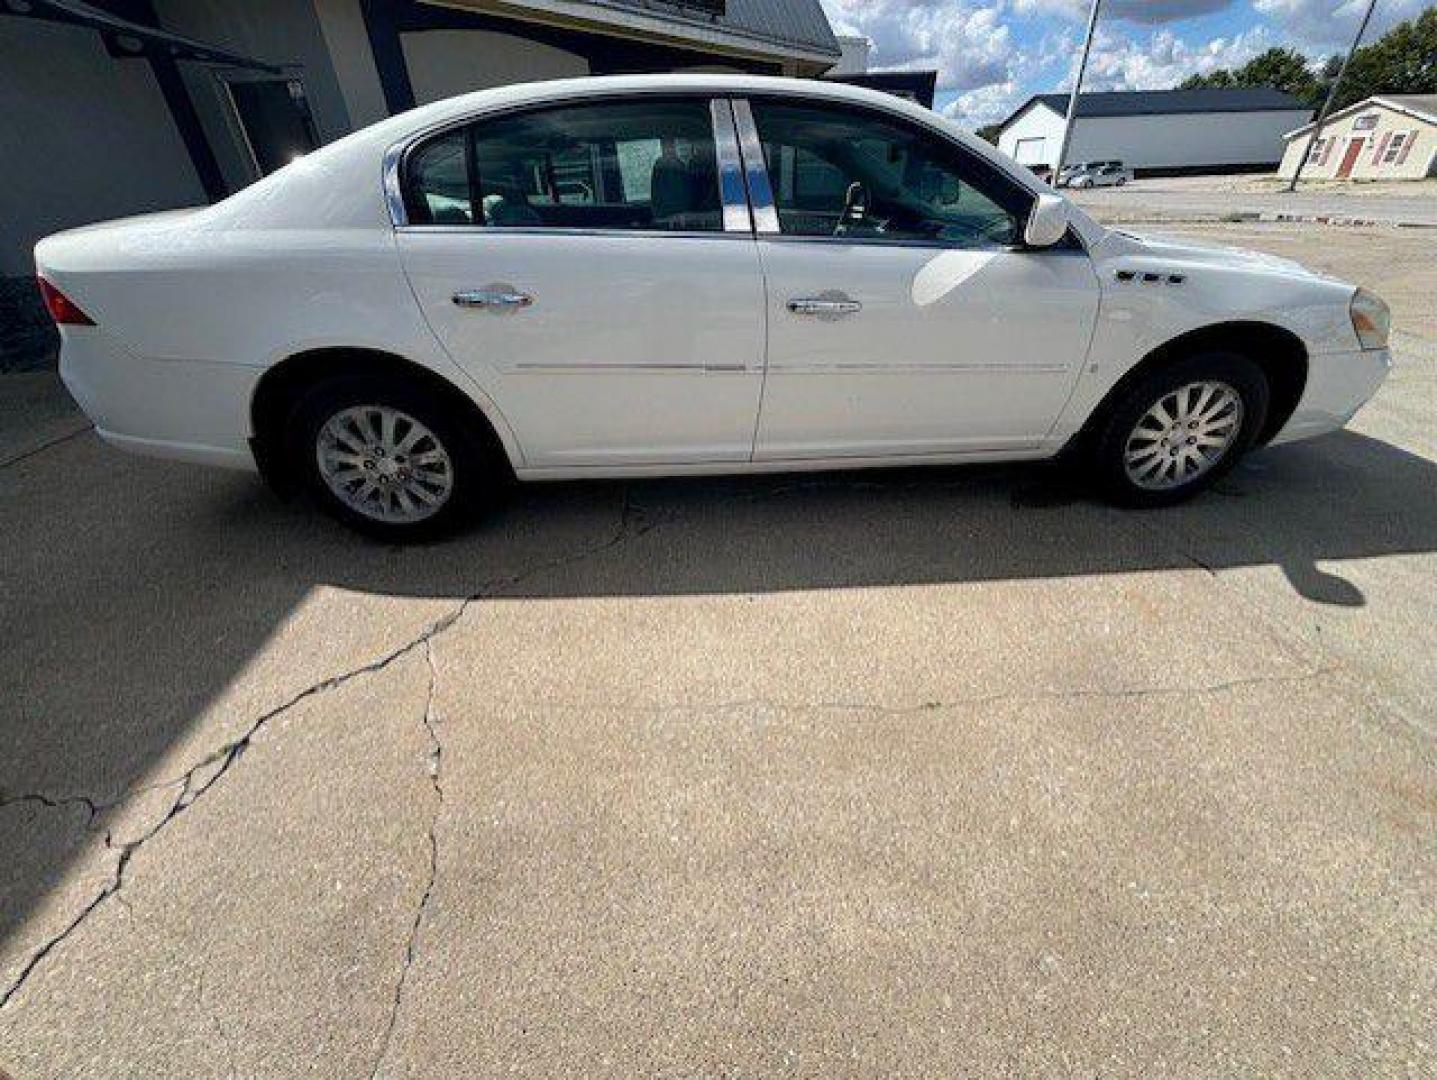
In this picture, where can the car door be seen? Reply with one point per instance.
(592, 266)
(905, 317)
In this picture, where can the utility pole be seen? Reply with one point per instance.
(1077, 88)
(1331, 97)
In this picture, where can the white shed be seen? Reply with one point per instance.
(1160, 132)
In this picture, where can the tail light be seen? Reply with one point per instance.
(61, 308)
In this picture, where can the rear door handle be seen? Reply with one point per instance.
(493, 298)
(819, 305)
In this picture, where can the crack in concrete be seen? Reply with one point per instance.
(36, 451)
(112, 887)
(1043, 694)
(55, 802)
(631, 525)
(411, 945)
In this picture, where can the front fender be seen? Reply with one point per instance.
(1152, 294)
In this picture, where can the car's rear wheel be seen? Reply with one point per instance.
(386, 458)
(1179, 430)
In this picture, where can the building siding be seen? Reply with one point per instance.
(1416, 160)
(342, 24)
(85, 137)
(444, 63)
(1238, 140)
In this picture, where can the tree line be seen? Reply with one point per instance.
(1403, 61)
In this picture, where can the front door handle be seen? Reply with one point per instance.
(493, 298)
(822, 305)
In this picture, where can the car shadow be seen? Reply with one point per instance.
(136, 592)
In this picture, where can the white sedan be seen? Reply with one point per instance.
(659, 275)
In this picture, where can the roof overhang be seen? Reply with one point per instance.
(685, 24)
(129, 38)
(1376, 101)
(917, 85)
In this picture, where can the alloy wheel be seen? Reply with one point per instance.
(384, 464)
(1185, 434)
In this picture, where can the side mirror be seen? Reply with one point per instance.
(1048, 222)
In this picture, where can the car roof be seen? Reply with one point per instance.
(500, 97)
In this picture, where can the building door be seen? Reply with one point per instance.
(1031, 151)
(1349, 159)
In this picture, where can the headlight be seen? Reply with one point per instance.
(1371, 318)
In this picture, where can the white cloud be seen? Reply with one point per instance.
(1140, 11)
(1119, 62)
(1163, 59)
(986, 105)
(969, 43)
(991, 55)
(1326, 26)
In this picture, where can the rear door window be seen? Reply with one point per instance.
(624, 165)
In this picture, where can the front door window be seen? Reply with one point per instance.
(839, 172)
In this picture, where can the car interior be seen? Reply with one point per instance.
(829, 182)
(620, 166)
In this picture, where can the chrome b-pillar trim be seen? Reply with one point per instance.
(393, 192)
(760, 194)
(730, 168)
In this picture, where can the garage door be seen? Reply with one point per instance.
(1030, 152)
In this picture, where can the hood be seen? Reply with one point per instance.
(1187, 251)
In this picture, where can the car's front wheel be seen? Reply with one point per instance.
(1180, 429)
(386, 458)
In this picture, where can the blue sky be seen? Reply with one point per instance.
(992, 55)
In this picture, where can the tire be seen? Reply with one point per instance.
(1135, 458)
(387, 458)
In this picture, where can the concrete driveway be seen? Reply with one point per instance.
(917, 774)
(1219, 197)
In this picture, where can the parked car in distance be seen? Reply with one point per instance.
(1077, 167)
(662, 275)
(1101, 174)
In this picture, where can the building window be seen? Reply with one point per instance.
(624, 165)
(1394, 148)
(1314, 152)
(860, 176)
